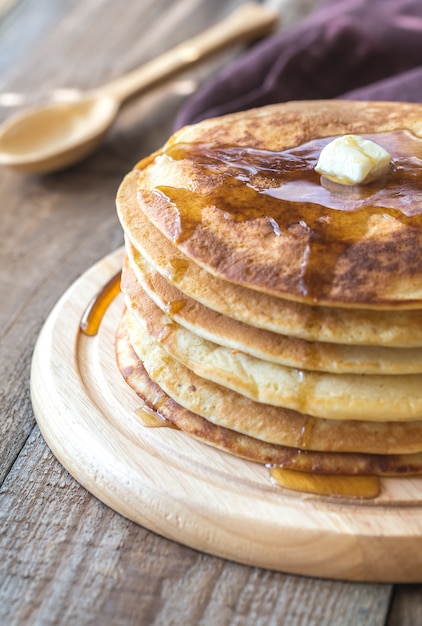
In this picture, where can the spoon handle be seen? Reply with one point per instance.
(245, 23)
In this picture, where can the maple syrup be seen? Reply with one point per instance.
(174, 306)
(306, 433)
(152, 419)
(94, 312)
(282, 191)
(340, 485)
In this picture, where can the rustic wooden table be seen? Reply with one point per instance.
(65, 557)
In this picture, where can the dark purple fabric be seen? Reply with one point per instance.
(353, 49)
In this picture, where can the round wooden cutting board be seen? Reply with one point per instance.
(194, 494)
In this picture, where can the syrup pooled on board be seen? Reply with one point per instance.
(340, 485)
(94, 312)
(152, 419)
(283, 189)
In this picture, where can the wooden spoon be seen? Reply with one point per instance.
(56, 135)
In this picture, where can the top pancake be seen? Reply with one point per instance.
(239, 196)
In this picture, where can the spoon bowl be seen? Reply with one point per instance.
(56, 135)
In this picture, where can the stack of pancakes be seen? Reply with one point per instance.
(272, 313)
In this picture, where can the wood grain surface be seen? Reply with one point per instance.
(65, 557)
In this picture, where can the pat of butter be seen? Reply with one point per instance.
(352, 160)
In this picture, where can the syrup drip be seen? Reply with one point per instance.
(365, 487)
(306, 434)
(175, 306)
(283, 191)
(94, 313)
(306, 383)
(152, 419)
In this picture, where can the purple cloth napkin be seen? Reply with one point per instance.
(353, 49)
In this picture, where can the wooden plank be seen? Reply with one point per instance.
(406, 606)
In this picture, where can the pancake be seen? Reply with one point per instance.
(272, 313)
(247, 447)
(239, 196)
(262, 344)
(312, 323)
(320, 394)
(229, 409)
